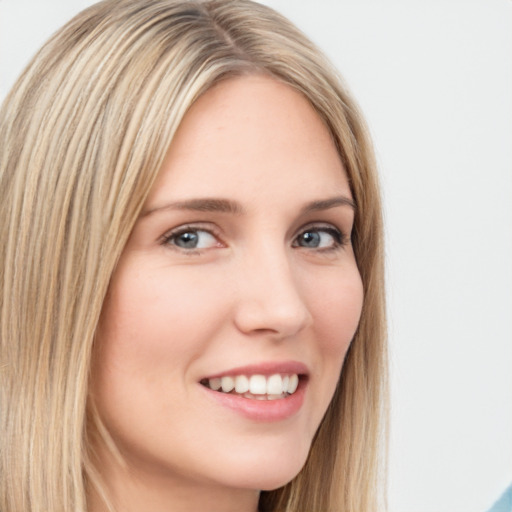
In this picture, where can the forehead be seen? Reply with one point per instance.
(248, 133)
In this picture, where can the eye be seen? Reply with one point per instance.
(320, 238)
(188, 238)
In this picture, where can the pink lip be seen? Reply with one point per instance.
(267, 368)
(263, 410)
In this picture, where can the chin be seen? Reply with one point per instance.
(276, 483)
(271, 471)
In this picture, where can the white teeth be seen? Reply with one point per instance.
(241, 384)
(215, 384)
(228, 384)
(275, 385)
(258, 385)
(292, 385)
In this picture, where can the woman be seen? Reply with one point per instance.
(191, 252)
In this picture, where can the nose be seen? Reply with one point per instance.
(269, 299)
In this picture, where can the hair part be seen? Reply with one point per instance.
(84, 133)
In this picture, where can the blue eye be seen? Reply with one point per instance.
(191, 238)
(319, 238)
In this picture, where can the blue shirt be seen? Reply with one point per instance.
(504, 504)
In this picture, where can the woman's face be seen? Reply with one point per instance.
(239, 271)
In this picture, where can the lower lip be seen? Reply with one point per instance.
(262, 410)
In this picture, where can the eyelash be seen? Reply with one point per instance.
(169, 238)
(339, 238)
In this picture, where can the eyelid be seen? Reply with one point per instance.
(183, 228)
(339, 235)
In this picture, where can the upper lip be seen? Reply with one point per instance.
(266, 368)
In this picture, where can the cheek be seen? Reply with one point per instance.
(156, 318)
(336, 309)
(151, 331)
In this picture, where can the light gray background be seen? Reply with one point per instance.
(435, 82)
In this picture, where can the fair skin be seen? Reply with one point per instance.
(240, 264)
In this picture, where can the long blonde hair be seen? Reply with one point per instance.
(83, 134)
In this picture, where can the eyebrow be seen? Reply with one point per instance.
(201, 205)
(235, 208)
(326, 204)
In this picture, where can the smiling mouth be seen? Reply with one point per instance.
(256, 387)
